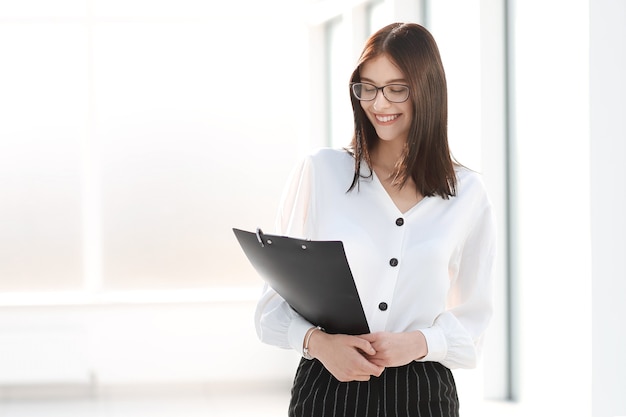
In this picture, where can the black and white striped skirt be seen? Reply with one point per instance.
(419, 389)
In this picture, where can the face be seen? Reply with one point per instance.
(391, 120)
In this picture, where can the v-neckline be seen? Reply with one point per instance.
(390, 199)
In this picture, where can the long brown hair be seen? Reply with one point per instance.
(426, 157)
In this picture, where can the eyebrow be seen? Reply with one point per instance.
(394, 81)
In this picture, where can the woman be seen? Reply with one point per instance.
(419, 237)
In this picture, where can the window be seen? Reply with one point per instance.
(135, 135)
(339, 111)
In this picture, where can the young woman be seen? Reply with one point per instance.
(419, 237)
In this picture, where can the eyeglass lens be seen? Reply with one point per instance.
(396, 93)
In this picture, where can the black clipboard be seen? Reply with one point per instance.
(312, 276)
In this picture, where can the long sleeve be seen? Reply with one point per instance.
(455, 339)
(276, 322)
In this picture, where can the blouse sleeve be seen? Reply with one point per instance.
(276, 322)
(455, 338)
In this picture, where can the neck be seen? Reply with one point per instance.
(387, 154)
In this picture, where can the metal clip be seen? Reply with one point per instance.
(259, 236)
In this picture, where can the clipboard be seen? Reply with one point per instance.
(312, 276)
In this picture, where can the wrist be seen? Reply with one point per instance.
(421, 345)
(306, 352)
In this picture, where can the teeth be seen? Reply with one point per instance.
(385, 119)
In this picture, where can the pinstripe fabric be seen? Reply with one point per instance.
(419, 389)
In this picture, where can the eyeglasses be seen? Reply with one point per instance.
(395, 93)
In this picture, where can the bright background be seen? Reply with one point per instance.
(134, 135)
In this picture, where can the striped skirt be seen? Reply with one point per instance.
(419, 389)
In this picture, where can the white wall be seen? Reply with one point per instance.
(133, 136)
(608, 205)
(129, 344)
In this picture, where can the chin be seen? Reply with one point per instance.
(389, 138)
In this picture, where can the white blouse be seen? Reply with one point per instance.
(427, 269)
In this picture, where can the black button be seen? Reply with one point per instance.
(382, 306)
(393, 262)
(399, 221)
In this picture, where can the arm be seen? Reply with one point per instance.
(455, 338)
(276, 322)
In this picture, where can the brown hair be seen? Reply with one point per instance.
(426, 157)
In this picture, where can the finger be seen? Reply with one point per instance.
(362, 377)
(364, 346)
(379, 362)
(370, 337)
(371, 368)
(374, 369)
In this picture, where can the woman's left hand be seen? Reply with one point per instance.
(396, 349)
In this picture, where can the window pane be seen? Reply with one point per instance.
(186, 154)
(43, 80)
(461, 59)
(379, 14)
(339, 70)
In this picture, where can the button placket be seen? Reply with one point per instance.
(388, 282)
(399, 222)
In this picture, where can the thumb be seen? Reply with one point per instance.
(365, 346)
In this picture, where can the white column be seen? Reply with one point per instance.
(608, 204)
(551, 195)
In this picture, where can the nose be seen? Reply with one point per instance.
(380, 101)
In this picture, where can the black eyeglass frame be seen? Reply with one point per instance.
(353, 87)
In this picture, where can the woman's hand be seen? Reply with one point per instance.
(346, 357)
(396, 349)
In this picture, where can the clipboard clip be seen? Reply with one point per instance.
(259, 237)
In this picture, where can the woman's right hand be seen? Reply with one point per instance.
(344, 356)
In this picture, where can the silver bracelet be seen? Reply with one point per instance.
(305, 350)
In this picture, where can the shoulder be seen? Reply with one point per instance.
(466, 175)
(325, 157)
(336, 155)
(327, 166)
(470, 186)
(332, 160)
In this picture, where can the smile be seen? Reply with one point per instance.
(386, 118)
